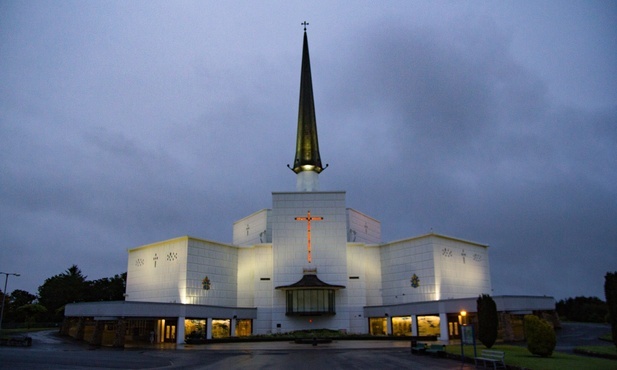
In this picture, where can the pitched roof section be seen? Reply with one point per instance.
(307, 146)
(310, 281)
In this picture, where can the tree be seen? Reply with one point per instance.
(58, 290)
(582, 309)
(107, 289)
(17, 299)
(541, 338)
(31, 312)
(488, 321)
(610, 291)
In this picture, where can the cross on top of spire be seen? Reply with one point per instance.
(305, 23)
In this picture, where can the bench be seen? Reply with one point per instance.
(496, 358)
(437, 349)
(419, 348)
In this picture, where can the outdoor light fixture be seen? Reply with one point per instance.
(6, 279)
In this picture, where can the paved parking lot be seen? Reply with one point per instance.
(49, 352)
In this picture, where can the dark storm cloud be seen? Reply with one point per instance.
(480, 152)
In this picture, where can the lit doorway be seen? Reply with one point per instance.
(169, 332)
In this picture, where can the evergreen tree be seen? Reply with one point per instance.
(610, 291)
(107, 289)
(58, 290)
(488, 321)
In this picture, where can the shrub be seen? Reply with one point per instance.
(610, 290)
(488, 321)
(541, 339)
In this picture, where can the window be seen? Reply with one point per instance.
(378, 325)
(401, 326)
(310, 302)
(220, 328)
(428, 325)
(244, 327)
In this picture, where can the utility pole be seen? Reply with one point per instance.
(6, 280)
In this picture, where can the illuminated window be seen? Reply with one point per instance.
(378, 325)
(221, 328)
(195, 329)
(310, 302)
(401, 326)
(428, 325)
(244, 327)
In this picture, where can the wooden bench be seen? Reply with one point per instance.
(419, 348)
(437, 349)
(496, 358)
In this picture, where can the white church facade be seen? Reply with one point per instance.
(307, 262)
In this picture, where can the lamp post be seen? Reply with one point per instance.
(6, 280)
(467, 335)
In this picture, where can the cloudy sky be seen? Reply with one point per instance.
(126, 123)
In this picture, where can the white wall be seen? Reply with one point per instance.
(329, 252)
(253, 229)
(364, 276)
(400, 260)
(219, 262)
(362, 228)
(255, 284)
(462, 269)
(181, 265)
(157, 272)
(446, 267)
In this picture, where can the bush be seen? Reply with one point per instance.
(541, 339)
(610, 290)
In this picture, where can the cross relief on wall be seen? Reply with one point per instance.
(308, 220)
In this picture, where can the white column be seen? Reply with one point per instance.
(388, 325)
(160, 331)
(180, 331)
(443, 328)
(307, 181)
(232, 329)
(209, 328)
(414, 326)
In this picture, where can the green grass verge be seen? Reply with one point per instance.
(521, 357)
(607, 337)
(608, 351)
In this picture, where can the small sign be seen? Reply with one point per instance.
(467, 334)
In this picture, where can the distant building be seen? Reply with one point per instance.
(308, 262)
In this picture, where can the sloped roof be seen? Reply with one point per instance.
(310, 281)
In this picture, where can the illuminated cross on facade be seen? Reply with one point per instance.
(308, 220)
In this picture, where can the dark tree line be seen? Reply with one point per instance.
(583, 309)
(610, 291)
(68, 287)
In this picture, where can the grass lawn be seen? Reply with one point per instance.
(520, 356)
(606, 350)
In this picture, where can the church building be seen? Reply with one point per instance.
(309, 261)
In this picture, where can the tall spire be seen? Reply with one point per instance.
(307, 162)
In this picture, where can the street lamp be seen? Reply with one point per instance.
(6, 280)
(467, 335)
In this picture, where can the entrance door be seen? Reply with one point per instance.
(454, 327)
(169, 334)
